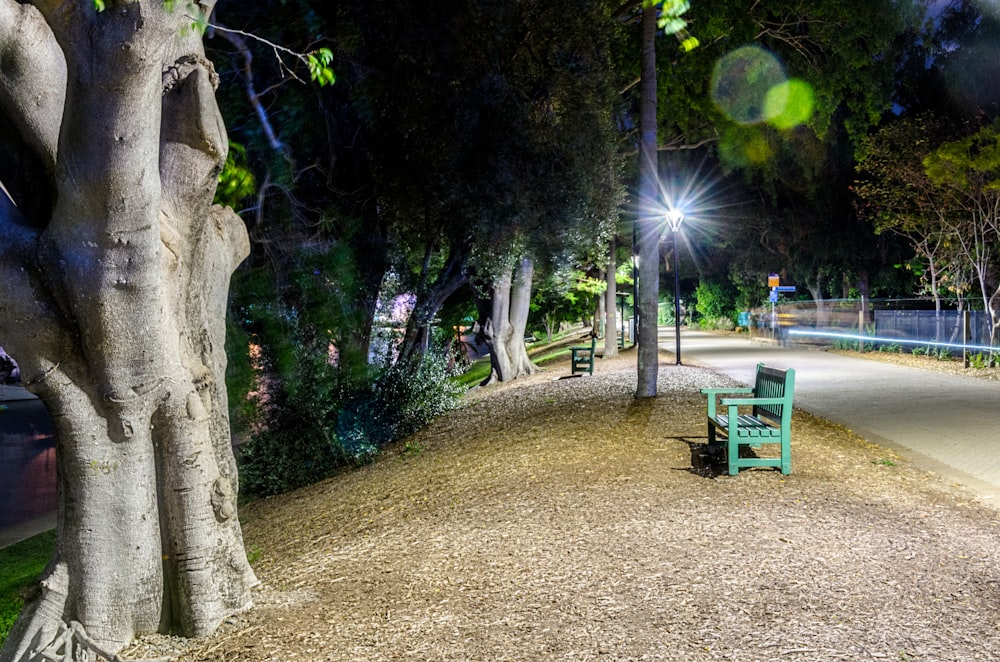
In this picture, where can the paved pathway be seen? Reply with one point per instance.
(27, 471)
(946, 423)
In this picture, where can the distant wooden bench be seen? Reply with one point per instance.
(770, 420)
(583, 357)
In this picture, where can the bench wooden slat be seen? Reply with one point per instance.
(769, 420)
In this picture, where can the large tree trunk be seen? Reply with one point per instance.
(610, 306)
(114, 307)
(503, 329)
(649, 224)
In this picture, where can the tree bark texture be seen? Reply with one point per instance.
(611, 307)
(649, 225)
(113, 303)
(503, 329)
(599, 312)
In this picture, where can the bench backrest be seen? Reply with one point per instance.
(774, 383)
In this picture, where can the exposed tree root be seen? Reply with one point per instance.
(72, 644)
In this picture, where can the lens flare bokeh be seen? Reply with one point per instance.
(750, 86)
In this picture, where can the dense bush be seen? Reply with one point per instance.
(400, 399)
(291, 444)
(325, 423)
(714, 300)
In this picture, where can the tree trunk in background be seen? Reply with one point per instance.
(433, 292)
(356, 346)
(503, 329)
(599, 329)
(611, 306)
(114, 307)
(649, 232)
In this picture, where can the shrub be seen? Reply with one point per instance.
(980, 361)
(326, 423)
(292, 444)
(721, 323)
(713, 300)
(401, 399)
(845, 345)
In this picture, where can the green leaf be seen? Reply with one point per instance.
(319, 69)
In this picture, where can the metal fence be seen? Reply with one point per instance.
(876, 323)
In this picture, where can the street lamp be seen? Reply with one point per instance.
(674, 218)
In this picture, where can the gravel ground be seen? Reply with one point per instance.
(558, 518)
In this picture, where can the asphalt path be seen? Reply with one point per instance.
(946, 423)
(27, 471)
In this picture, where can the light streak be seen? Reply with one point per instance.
(896, 341)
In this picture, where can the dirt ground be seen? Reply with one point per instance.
(562, 519)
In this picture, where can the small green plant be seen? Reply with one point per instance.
(919, 351)
(254, 554)
(884, 462)
(412, 448)
(891, 348)
(845, 345)
(944, 354)
(980, 361)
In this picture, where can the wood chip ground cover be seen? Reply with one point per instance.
(562, 519)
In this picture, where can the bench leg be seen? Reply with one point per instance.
(786, 454)
(733, 451)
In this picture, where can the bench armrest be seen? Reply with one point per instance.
(740, 402)
(713, 393)
(736, 402)
(732, 389)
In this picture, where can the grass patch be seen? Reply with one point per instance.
(20, 564)
(476, 373)
(541, 352)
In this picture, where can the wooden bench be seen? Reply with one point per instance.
(583, 357)
(769, 422)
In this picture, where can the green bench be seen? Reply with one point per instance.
(769, 420)
(583, 357)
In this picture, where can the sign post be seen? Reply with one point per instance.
(774, 282)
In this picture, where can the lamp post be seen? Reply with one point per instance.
(674, 218)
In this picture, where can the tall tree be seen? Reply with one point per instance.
(493, 141)
(610, 305)
(321, 245)
(968, 171)
(649, 224)
(895, 194)
(115, 269)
